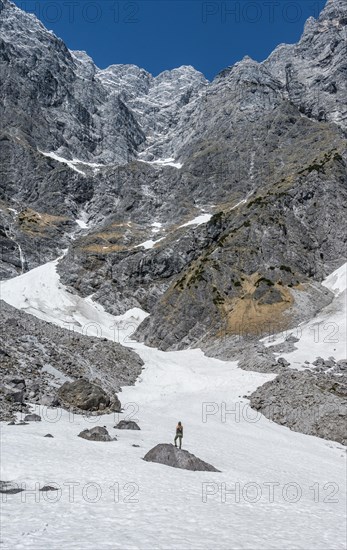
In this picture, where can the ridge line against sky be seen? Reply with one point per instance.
(159, 35)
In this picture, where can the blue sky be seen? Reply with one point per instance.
(163, 34)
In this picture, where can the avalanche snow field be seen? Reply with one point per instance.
(277, 489)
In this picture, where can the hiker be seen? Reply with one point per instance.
(179, 434)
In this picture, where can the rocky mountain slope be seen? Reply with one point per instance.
(216, 207)
(37, 358)
(308, 402)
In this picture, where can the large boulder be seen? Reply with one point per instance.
(86, 396)
(127, 425)
(169, 455)
(32, 418)
(10, 488)
(98, 433)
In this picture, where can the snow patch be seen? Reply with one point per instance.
(199, 220)
(82, 224)
(163, 162)
(74, 164)
(156, 227)
(243, 201)
(337, 281)
(149, 244)
(40, 293)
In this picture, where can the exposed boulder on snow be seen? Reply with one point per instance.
(98, 433)
(47, 488)
(127, 425)
(283, 362)
(309, 402)
(32, 418)
(86, 396)
(10, 488)
(168, 454)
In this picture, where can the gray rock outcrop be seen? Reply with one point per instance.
(169, 455)
(308, 402)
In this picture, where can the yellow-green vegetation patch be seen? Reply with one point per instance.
(33, 222)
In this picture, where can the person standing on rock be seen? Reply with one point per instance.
(179, 434)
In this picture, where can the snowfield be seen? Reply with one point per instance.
(163, 162)
(277, 489)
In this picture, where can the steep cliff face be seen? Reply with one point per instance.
(257, 275)
(156, 102)
(125, 170)
(314, 71)
(51, 98)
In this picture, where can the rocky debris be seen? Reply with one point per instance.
(47, 488)
(308, 402)
(292, 339)
(134, 445)
(341, 366)
(249, 352)
(127, 425)
(169, 455)
(38, 357)
(98, 433)
(283, 362)
(48, 435)
(283, 347)
(330, 366)
(86, 396)
(18, 383)
(32, 418)
(16, 397)
(10, 488)
(324, 363)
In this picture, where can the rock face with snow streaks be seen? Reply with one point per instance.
(138, 157)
